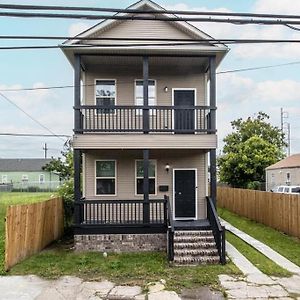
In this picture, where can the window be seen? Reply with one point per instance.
(24, 177)
(105, 177)
(41, 178)
(296, 189)
(139, 97)
(105, 95)
(139, 175)
(286, 190)
(4, 178)
(288, 177)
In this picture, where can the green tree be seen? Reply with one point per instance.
(64, 167)
(253, 145)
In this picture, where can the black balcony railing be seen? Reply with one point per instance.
(160, 119)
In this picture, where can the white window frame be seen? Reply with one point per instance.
(4, 178)
(115, 178)
(24, 177)
(136, 177)
(140, 111)
(42, 176)
(95, 94)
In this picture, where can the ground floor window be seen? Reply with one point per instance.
(139, 177)
(106, 177)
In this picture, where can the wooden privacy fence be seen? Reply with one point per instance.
(279, 211)
(30, 228)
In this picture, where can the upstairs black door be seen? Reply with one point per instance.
(185, 194)
(184, 118)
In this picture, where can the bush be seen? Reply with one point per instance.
(66, 191)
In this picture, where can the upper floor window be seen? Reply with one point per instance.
(105, 94)
(139, 96)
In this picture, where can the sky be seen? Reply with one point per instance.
(239, 94)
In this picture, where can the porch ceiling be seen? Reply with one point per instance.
(199, 63)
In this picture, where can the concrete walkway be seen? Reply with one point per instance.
(73, 288)
(264, 249)
(255, 284)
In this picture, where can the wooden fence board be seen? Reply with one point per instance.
(30, 228)
(279, 211)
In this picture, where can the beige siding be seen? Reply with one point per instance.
(125, 76)
(141, 141)
(126, 172)
(280, 177)
(140, 29)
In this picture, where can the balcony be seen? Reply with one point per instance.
(141, 119)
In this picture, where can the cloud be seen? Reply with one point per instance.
(77, 28)
(277, 6)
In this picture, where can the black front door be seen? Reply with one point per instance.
(185, 193)
(184, 118)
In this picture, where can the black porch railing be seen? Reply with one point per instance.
(172, 119)
(217, 229)
(121, 213)
(171, 230)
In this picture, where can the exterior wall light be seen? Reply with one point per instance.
(166, 89)
(167, 167)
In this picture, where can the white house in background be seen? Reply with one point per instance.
(284, 172)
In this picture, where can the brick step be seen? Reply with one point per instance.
(183, 238)
(193, 232)
(193, 239)
(195, 245)
(196, 252)
(195, 260)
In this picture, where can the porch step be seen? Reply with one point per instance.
(194, 247)
(192, 260)
(195, 252)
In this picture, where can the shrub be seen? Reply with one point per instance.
(66, 191)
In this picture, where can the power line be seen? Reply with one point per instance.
(235, 21)
(140, 11)
(91, 85)
(28, 115)
(198, 40)
(38, 47)
(258, 68)
(33, 134)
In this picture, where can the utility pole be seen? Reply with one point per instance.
(286, 130)
(45, 148)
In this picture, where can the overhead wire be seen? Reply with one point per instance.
(29, 116)
(141, 11)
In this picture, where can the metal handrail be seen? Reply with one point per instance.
(217, 229)
(171, 230)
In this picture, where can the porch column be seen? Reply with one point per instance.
(77, 70)
(77, 153)
(146, 94)
(212, 102)
(146, 204)
(77, 191)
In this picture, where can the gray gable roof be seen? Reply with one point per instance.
(23, 164)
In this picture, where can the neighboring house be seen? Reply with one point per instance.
(144, 134)
(26, 174)
(284, 172)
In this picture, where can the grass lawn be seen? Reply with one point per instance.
(125, 268)
(280, 242)
(263, 263)
(7, 199)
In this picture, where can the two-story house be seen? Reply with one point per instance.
(144, 134)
